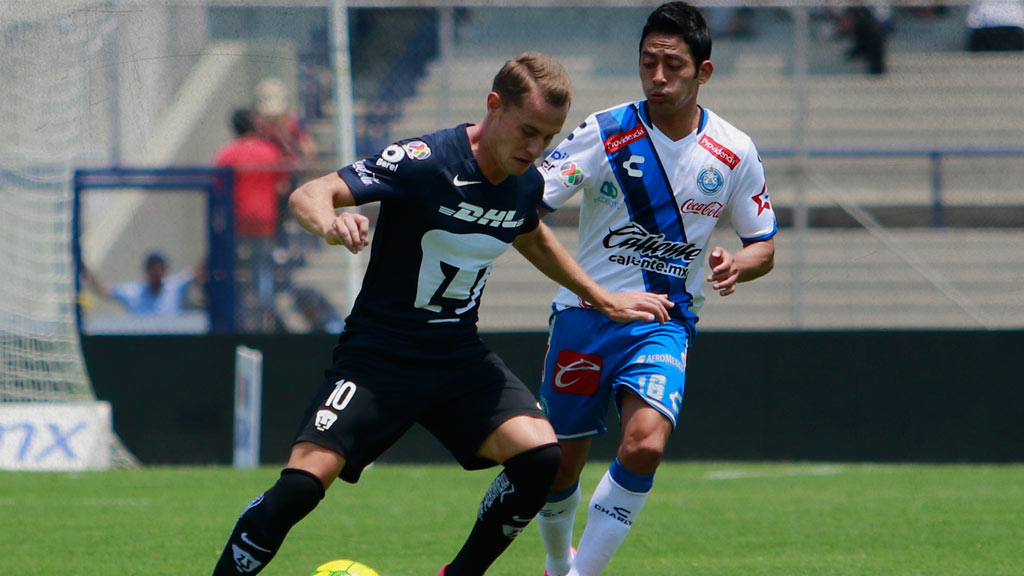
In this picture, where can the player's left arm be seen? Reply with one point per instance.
(753, 218)
(754, 260)
(546, 253)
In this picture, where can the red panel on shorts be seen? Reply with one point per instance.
(577, 373)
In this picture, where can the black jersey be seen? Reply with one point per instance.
(441, 226)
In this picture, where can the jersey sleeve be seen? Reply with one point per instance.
(386, 175)
(753, 217)
(566, 169)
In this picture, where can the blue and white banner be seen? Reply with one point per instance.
(55, 437)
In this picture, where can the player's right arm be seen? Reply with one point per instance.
(542, 249)
(315, 205)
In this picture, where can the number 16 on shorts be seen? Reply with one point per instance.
(653, 388)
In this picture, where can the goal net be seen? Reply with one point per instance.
(45, 59)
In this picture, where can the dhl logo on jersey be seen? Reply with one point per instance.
(495, 218)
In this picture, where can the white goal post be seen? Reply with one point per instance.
(45, 67)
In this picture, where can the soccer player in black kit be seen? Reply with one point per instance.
(451, 202)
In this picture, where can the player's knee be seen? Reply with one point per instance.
(568, 473)
(536, 468)
(564, 480)
(295, 495)
(269, 517)
(641, 454)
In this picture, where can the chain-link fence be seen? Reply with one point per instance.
(892, 151)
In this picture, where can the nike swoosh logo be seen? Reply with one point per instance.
(245, 538)
(460, 182)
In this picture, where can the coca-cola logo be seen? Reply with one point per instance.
(709, 209)
(728, 157)
(636, 238)
(613, 143)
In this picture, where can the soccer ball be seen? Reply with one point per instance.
(344, 567)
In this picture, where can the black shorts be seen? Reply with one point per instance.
(373, 394)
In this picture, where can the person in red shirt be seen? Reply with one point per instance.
(261, 178)
(278, 122)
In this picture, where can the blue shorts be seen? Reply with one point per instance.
(590, 357)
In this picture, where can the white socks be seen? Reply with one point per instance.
(610, 517)
(555, 521)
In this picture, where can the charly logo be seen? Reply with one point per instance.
(617, 512)
(710, 181)
(631, 166)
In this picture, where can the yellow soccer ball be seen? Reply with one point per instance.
(344, 567)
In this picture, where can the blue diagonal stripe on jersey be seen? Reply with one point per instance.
(649, 200)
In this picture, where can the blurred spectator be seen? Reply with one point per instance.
(730, 22)
(156, 295)
(995, 25)
(261, 181)
(868, 28)
(278, 122)
(318, 311)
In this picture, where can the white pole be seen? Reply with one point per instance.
(446, 41)
(345, 117)
(800, 215)
(248, 406)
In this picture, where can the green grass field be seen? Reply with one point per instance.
(702, 519)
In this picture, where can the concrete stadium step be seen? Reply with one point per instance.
(849, 279)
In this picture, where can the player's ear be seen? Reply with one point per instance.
(494, 103)
(704, 71)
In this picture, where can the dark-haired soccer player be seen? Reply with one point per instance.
(451, 202)
(656, 175)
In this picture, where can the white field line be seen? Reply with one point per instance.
(793, 472)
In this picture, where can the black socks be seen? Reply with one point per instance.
(513, 499)
(261, 528)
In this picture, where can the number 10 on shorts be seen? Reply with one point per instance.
(336, 402)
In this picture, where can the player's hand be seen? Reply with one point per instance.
(634, 306)
(349, 229)
(724, 272)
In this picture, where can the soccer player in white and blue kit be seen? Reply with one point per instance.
(656, 176)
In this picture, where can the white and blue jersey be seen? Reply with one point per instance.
(648, 209)
(650, 203)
